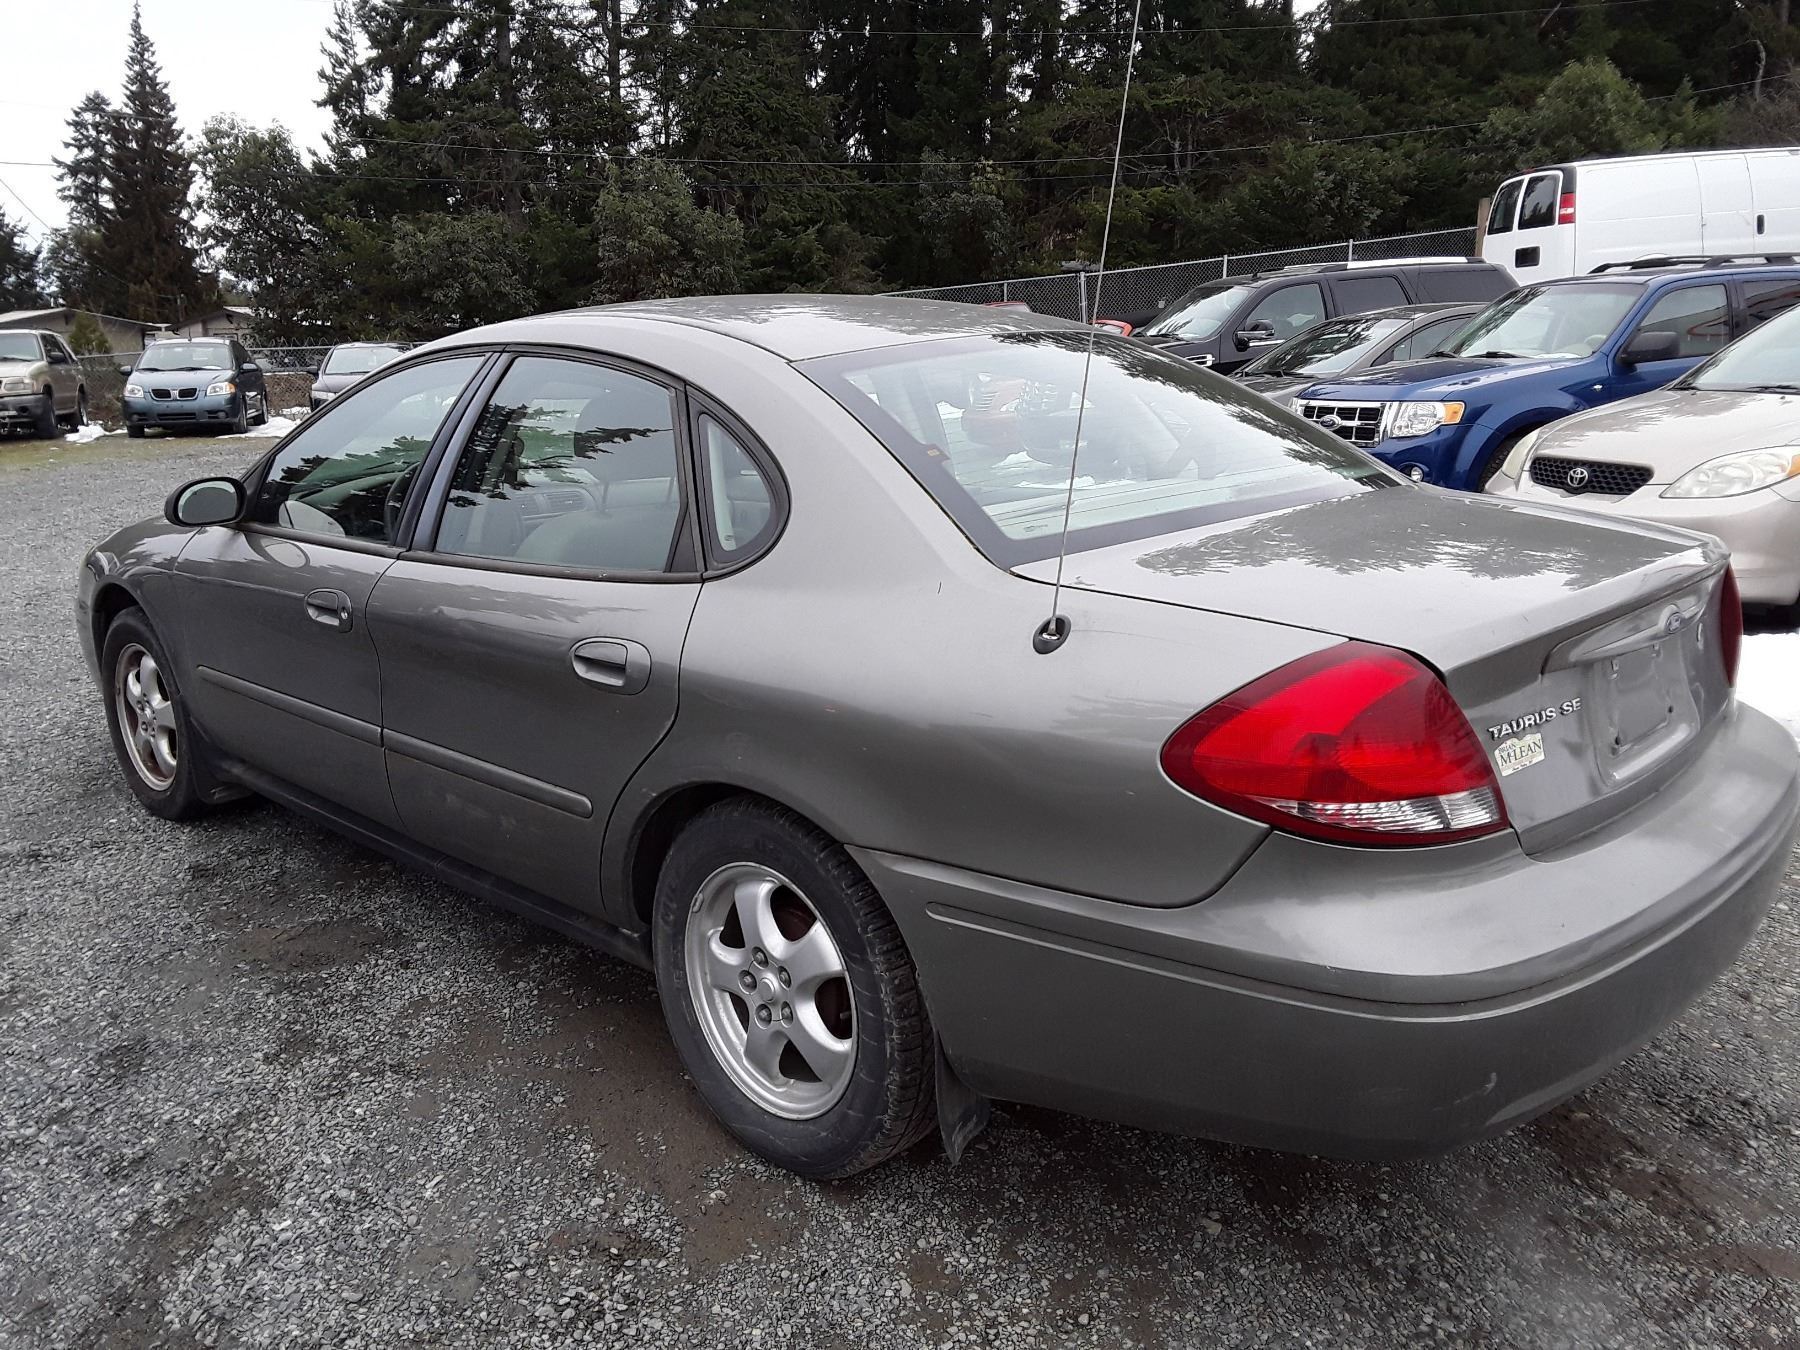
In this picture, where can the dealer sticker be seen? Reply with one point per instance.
(1519, 752)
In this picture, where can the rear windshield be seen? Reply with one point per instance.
(186, 356)
(987, 426)
(357, 360)
(1538, 321)
(1327, 349)
(1201, 313)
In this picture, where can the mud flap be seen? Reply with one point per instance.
(962, 1114)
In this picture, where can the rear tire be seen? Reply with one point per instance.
(262, 411)
(826, 1069)
(151, 734)
(78, 418)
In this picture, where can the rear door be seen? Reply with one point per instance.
(1543, 247)
(1352, 293)
(1727, 216)
(530, 651)
(281, 670)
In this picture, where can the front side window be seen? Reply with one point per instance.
(347, 472)
(987, 427)
(1539, 321)
(570, 465)
(1505, 203)
(1764, 361)
(1698, 316)
(1201, 313)
(1290, 310)
(1424, 340)
(1537, 207)
(1327, 348)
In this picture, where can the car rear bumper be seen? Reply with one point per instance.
(1366, 1027)
(1762, 529)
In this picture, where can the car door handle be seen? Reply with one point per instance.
(331, 608)
(612, 663)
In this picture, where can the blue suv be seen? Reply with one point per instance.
(1543, 352)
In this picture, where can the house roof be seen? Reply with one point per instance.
(21, 315)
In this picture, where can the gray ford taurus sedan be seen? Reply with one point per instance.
(1346, 815)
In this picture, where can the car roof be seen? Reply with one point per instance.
(1677, 272)
(794, 327)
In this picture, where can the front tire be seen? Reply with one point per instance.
(45, 419)
(151, 734)
(136, 433)
(790, 994)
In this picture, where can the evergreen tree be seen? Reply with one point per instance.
(20, 285)
(74, 255)
(147, 238)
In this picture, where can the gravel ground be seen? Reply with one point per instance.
(258, 1087)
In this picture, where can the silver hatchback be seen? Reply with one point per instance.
(1315, 810)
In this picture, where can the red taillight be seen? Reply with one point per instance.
(1731, 625)
(1356, 743)
(1565, 209)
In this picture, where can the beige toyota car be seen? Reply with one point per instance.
(41, 384)
(1717, 451)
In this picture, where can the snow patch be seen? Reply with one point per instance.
(1769, 677)
(92, 431)
(278, 425)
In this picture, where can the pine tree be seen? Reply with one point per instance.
(20, 286)
(74, 254)
(147, 241)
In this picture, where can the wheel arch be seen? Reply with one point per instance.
(652, 833)
(112, 599)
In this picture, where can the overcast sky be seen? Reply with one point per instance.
(253, 59)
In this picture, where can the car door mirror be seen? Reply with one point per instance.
(250, 367)
(1261, 330)
(311, 372)
(1658, 346)
(205, 501)
(126, 370)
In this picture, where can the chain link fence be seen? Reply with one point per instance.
(287, 375)
(1139, 293)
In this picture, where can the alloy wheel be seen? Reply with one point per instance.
(771, 991)
(146, 716)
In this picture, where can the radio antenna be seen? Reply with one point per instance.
(1054, 631)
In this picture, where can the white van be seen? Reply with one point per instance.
(1570, 218)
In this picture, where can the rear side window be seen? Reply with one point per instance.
(1537, 208)
(1504, 205)
(1463, 283)
(1358, 295)
(1699, 316)
(1765, 299)
(987, 427)
(570, 465)
(347, 472)
(741, 512)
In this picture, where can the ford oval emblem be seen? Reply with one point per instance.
(1330, 422)
(1578, 477)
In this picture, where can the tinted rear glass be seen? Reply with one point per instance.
(1537, 208)
(987, 425)
(1463, 283)
(1504, 206)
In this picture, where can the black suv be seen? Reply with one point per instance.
(1226, 323)
(194, 384)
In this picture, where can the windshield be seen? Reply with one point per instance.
(987, 426)
(1200, 313)
(1571, 321)
(1767, 359)
(18, 347)
(357, 360)
(1326, 349)
(186, 356)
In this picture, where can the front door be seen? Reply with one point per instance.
(65, 375)
(530, 656)
(280, 668)
(1699, 316)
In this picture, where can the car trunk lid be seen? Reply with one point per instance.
(1583, 651)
